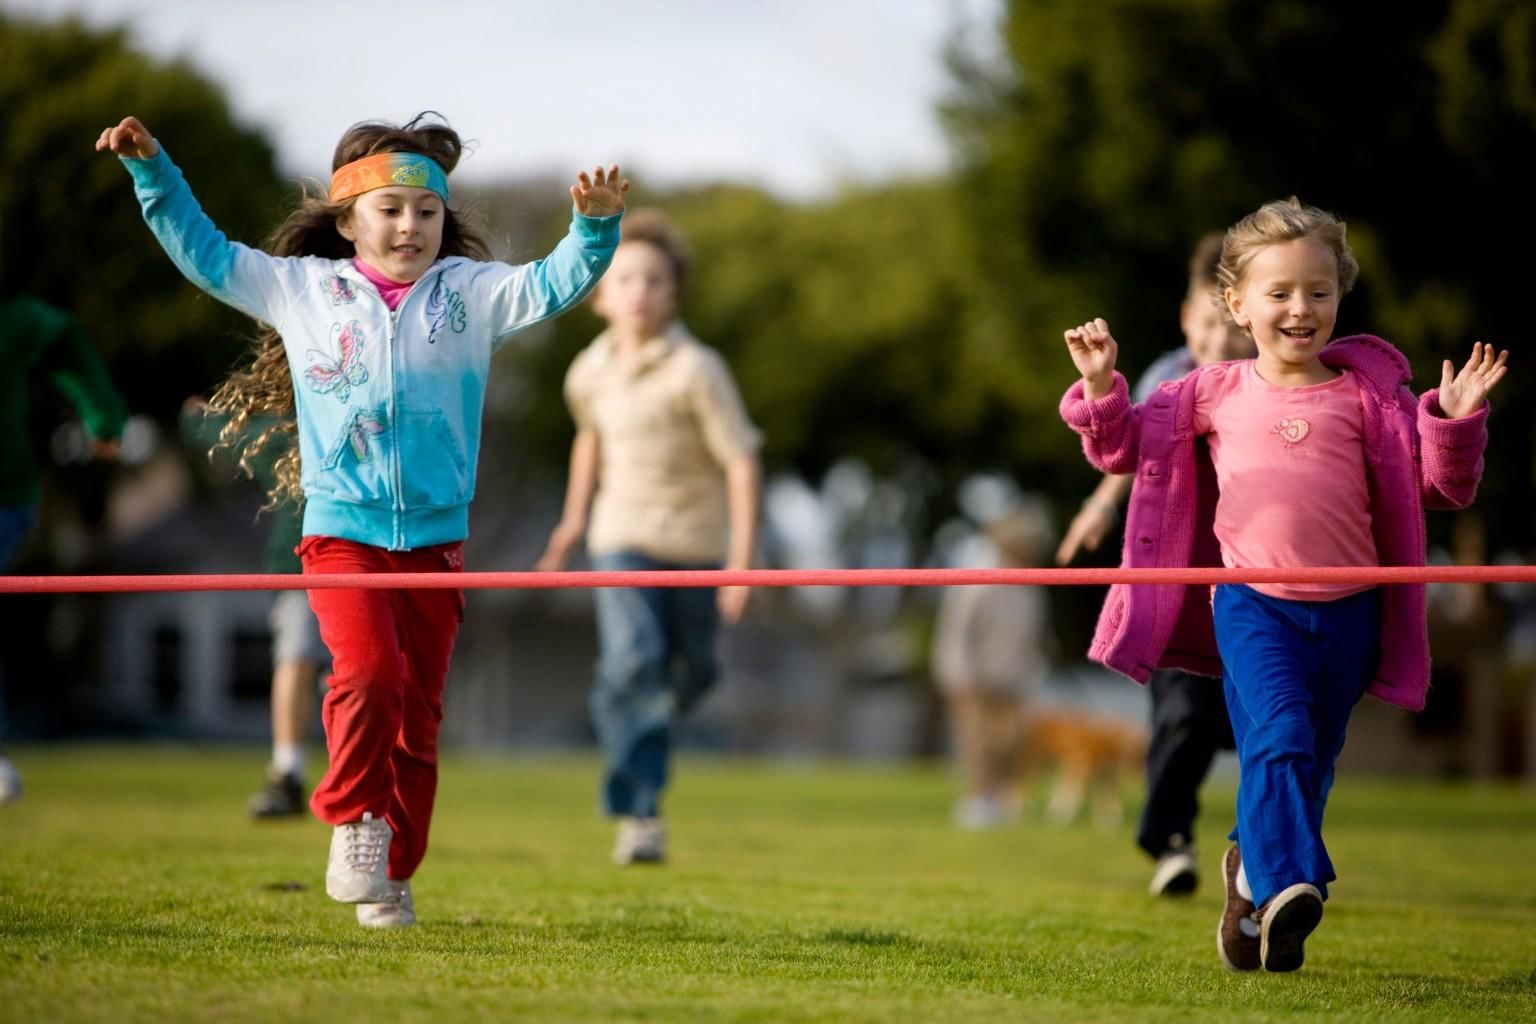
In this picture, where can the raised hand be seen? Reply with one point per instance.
(601, 193)
(1463, 393)
(1093, 351)
(129, 138)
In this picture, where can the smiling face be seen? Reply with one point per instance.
(397, 231)
(1288, 299)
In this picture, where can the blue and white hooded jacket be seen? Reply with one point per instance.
(389, 403)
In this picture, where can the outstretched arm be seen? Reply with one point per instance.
(73, 365)
(522, 296)
(258, 285)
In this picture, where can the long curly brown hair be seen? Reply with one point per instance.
(264, 386)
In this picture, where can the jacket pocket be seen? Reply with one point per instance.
(434, 464)
(357, 460)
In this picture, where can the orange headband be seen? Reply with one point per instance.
(385, 169)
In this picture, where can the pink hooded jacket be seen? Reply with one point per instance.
(1415, 458)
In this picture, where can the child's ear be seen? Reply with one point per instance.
(344, 227)
(1235, 305)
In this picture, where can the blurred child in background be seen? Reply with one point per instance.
(989, 659)
(1189, 713)
(39, 341)
(664, 475)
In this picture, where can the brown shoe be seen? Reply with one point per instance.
(1284, 924)
(1239, 951)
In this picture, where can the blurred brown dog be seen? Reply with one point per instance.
(1094, 757)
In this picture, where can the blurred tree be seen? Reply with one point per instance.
(70, 232)
(1102, 139)
(70, 229)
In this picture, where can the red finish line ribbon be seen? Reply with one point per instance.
(757, 578)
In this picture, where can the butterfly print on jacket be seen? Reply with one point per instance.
(339, 372)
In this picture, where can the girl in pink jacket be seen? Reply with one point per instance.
(1304, 456)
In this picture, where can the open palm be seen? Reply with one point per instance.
(1463, 393)
(601, 193)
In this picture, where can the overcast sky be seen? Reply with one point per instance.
(795, 95)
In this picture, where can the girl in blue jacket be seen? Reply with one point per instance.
(381, 310)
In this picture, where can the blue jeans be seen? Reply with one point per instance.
(656, 658)
(1294, 672)
(15, 525)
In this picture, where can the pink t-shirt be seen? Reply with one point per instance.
(1290, 463)
(391, 291)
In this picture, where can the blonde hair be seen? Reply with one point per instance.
(1273, 224)
(264, 387)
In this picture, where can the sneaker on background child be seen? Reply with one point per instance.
(1189, 713)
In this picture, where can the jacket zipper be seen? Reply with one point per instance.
(398, 503)
(394, 431)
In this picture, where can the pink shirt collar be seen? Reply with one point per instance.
(391, 291)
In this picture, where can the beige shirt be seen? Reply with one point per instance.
(666, 428)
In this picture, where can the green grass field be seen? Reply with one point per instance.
(132, 887)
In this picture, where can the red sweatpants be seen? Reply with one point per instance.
(384, 707)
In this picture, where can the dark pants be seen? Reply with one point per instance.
(1189, 724)
(15, 524)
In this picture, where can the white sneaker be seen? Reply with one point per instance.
(640, 841)
(399, 911)
(359, 860)
(1177, 872)
(10, 781)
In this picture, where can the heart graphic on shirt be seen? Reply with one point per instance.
(1293, 430)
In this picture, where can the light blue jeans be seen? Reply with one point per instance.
(656, 658)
